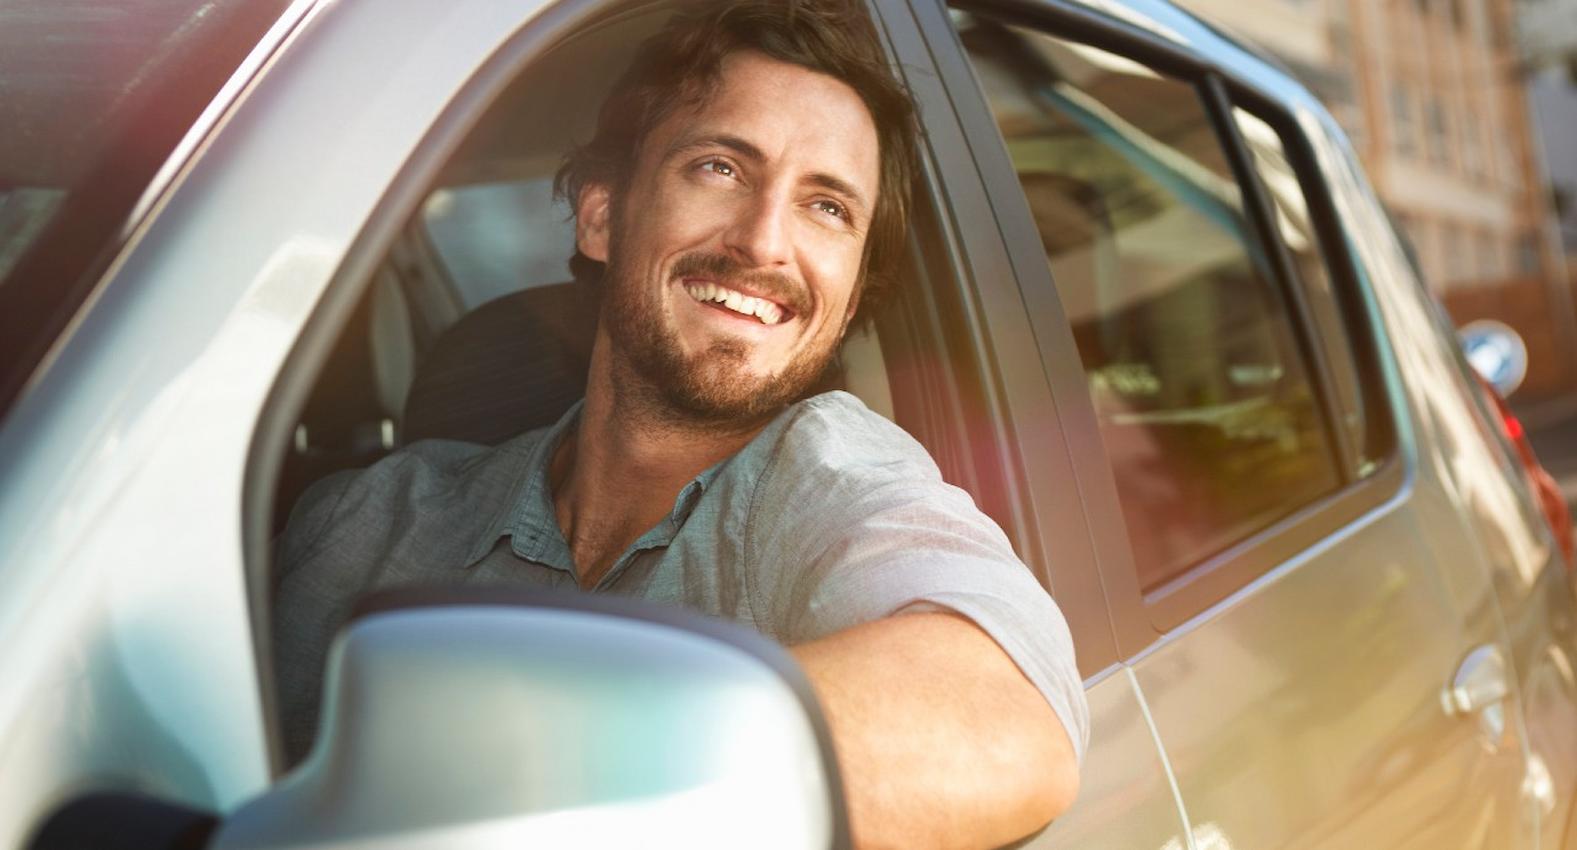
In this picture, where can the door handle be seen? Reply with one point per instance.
(1480, 683)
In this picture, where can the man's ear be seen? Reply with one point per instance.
(593, 214)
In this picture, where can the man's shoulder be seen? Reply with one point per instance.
(830, 457)
(443, 481)
(434, 467)
(835, 432)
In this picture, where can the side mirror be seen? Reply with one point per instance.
(496, 718)
(1497, 352)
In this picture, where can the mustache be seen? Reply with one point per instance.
(727, 271)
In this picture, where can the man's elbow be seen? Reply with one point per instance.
(1062, 788)
(1051, 778)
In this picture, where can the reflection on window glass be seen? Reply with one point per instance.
(69, 73)
(1295, 229)
(23, 214)
(1206, 410)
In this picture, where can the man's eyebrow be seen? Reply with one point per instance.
(745, 149)
(723, 140)
(839, 186)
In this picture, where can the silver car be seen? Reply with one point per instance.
(1155, 322)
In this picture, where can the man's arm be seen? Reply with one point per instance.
(942, 740)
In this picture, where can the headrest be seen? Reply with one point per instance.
(513, 364)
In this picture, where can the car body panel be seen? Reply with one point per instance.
(1520, 558)
(1305, 711)
(1126, 797)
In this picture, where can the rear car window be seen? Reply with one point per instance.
(1210, 420)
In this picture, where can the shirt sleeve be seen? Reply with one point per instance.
(868, 528)
(307, 608)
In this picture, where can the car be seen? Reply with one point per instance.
(1154, 321)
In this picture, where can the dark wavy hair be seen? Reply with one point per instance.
(682, 64)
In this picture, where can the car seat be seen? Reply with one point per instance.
(515, 363)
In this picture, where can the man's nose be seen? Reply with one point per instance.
(759, 235)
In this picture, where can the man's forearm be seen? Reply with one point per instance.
(941, 739)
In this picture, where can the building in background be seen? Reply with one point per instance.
(1547, 36)
(1435, 96)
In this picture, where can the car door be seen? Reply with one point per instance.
(1291, 596)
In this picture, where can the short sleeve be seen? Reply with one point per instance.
(852, 522)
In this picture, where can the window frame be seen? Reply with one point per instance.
(1140, 620)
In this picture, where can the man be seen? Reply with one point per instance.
(742, 202)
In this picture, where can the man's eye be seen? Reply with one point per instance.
(719, 166)
(832, 208)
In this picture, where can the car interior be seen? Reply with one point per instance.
(472, 328)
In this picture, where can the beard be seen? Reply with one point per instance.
(710, 387)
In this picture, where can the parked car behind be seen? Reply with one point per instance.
(1155, 322)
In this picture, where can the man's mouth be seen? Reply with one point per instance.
(764, 311)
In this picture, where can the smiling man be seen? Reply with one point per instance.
(742, 202)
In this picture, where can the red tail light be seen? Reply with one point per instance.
(1551, 501)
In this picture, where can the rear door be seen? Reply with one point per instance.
(1262, 538)
(967, 380)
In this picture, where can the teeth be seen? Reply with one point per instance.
(766, 311)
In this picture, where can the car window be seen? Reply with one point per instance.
(1208, 413)
(1361, 407)
(495, 238)
(93, 99)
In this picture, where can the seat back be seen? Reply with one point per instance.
(513, 364)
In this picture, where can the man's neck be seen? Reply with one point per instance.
(618, 473)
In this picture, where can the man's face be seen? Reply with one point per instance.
(734, 253)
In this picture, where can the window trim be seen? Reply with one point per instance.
(1291, 293)
(1344, 316)
(1140, 620)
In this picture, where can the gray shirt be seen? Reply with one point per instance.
(831, 517)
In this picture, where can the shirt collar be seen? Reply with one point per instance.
(531, 497)
(528, 517)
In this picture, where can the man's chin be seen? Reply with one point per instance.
(715, 396)
(716, 386)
